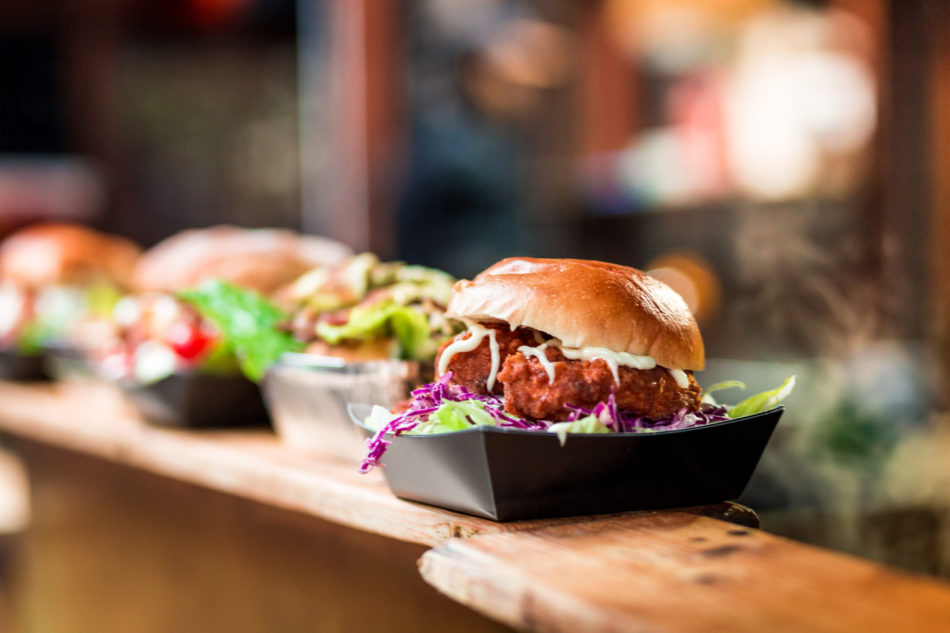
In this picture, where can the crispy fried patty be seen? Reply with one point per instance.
(529, 393)
(471, 369)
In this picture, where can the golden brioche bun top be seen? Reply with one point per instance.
(45, 254)
(585, 304)
(261, 259)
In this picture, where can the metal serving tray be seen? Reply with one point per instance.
(511, 474)
(307, 396)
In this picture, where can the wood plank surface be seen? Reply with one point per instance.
(679, 573)
(114, 549)
(675, 571)
(95, 419)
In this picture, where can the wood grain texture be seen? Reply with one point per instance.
(673, 572)
(676, 571)
(95, 419)
(114, 549)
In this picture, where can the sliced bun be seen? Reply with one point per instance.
(46, 254)
(585, 304)
(261, 259)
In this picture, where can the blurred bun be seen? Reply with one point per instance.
(585, 304)
(261, 259)
(46, 254)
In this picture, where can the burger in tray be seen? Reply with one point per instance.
(365, 310)
(53, 278)
(200, 317)
(365, 330)
(570, 392)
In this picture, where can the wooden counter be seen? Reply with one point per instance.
(675, 571)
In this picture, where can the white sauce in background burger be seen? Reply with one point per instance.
(127, 312)
(613, 359)
(12, 306)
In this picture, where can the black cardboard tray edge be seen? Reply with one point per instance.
(507, 474)
(19, 367)
(200, 400)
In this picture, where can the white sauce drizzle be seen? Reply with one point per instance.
(682, 380)
(613, 359)
(469, 344)
(538, 352)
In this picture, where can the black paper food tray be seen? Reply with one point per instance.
(510, 474)
(20, 367)
(199, 400)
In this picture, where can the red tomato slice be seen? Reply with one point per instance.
(189, 339)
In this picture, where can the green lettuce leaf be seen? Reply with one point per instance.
(589, 424)
(33, 338)
(455, 416)
(450, 416)
(380, 320)
(248, 323)
(365, 323)
(720, 386)
(101, 299)
(411, 328)
(220, 359)
(378, 417)
(762, 401)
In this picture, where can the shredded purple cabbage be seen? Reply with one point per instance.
(428, 398)
(620, 422)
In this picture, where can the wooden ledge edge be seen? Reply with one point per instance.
(678, 573)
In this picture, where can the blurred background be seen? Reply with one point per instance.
(784, 165)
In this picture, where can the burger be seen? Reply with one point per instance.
(263, 260)
(364, 309)
(55, 276)
(168, 326)
(563, 346)
(552, 336)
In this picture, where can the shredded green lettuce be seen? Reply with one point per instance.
(588, 424)
(101, 299)
(383, 319)
(365, 323)
(411, 328)
(33, 337)
(761, 401)
(248, 323)
(324, 289)
(455, 416)
(378, 417)
(450, 416)
(721, 386)
(220, 359)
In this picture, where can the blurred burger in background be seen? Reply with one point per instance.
(161, 329)
(361, 331)
(364, 310)
(54, 277)
(260, 259)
